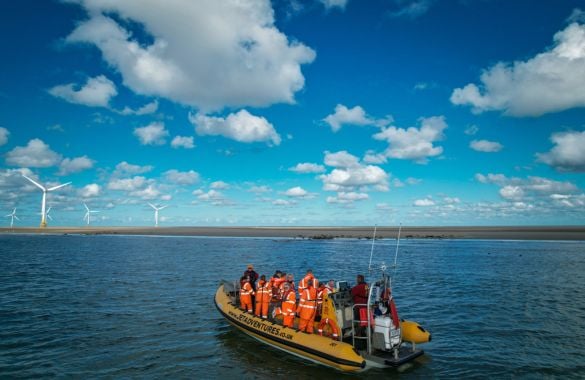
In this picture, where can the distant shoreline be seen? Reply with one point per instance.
(495, 232)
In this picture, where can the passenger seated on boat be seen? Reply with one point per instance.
(246, 293)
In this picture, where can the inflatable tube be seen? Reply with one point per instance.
(414, 333)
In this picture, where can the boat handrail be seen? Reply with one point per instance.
(359, 321)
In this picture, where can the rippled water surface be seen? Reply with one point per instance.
(142, 307)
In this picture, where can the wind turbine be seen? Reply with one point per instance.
(45, 191)
(88, 213)
(156, 210)
(12, 217)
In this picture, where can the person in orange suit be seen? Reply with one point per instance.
(246, 293)
(308, 308)
(276, 282)
(304, 281)
(263, 297)
(289, 304)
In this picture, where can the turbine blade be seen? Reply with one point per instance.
(16, 217)
(58, 186)
(151, 205)
(87, 208)
(160, 208)
(35, 183)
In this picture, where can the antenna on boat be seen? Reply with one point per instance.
(372, 251)
(396, 253)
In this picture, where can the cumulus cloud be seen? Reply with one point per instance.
(349, 173)
(551, 81)
(260, 189)
(96, 92)
(152, 134)
(568, 154)
(36, 154)
(181, 178)
(348, 116)
(414, 143)
(296, 192)
(344, 197)
(426, 202)
(127, 184)
(183, 142)
(124, 168)
(485, 146)
(329, 4)
(4, 135)
(75, 165)
(207, 54)
(283, 202)
(219, 185)
(241, 126)
(307, 167)
(146, 109)
(520, 188)
(89, 191)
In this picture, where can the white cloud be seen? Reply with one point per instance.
(568, 154)
(149, 192)
(329, 4)
(4, 135)
(36, 154)
(426, 202)
(146, 109)
(260, 189)
(124, 168)
(241, 126)
(96, 92)
(183, 142)
(182, 178)
(552, 81)
(411, 8)
(127, 184)
(207, 54)
(518, 188)
(512, 192)
(219, 185)
(152, 134)
(283, 202)
(341, 159)
(347, 197)
(471, 130)
(414, 143)
(75, 165)
(350, 173)
(307, 167)
(485, 146)
(296, 192)
(348, 116)
(91, 190)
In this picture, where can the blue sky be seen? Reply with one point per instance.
(294, 113)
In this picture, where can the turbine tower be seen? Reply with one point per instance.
(88, 213)
(12, 217)
(156, 210)
(44, 202)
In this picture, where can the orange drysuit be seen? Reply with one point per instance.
(246, 294)
(307, 309)
(289, 303)
(263, 296)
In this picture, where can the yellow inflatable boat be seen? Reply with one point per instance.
(377, 339)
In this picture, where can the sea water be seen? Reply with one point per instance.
(142, 306)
